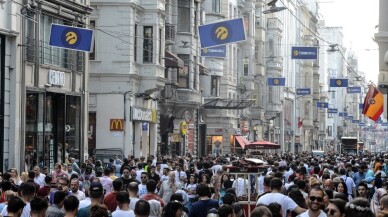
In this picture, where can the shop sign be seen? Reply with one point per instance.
(218, 130)
(153, 116)
(145, 126)
(183, 128)
(176, 137)
(116, 124)
(56, 78)
(139, 114)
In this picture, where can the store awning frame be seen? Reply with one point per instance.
(262, 144)
(228, 104)
(203, 70)
(242, 141)
(172, 61)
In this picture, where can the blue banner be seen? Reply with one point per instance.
(304, 53)
(332, 111)
(220, 33)
(338, 82)
(276, 81)
(361, 106)
(361, 124)
(353, 90)
(384, 124)
(303, 91)
(342, 114)
(349, 118)
(322, 104)
(219, 51)
(70, 37)
(355, 121)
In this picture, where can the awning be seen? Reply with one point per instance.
(227, 103)
(202, 69)
(172, 61)
(242, 141)
(262, 144)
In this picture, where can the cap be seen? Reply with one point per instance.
(95, 186)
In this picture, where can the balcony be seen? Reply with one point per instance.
(170, 34)
(171, 93)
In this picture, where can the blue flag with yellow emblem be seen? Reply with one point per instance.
(220, 33)
(276, 82)
(71, 37)
(338, 82)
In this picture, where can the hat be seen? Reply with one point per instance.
(95, 186)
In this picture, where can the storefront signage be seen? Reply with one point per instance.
(154, 117)
(176, 138)
(139, 114)
(116, 124)
(183, 128)
(56, 78)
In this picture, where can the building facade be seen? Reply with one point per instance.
(45, 87)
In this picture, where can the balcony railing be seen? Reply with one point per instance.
(48, 55)
(170, 32)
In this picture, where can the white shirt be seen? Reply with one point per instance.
(191, 187)
(260, 183)
(306, 214)
(25, 213)
(178, 175)
(138, 174)
(132, 203)
(40, 179)
(79, 194)
(142, 190)
(215, 168)
(286, 202)
(123, 213)
(241, 186)
(84, 203)
(349, 183)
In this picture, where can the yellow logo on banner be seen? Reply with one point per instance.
(339, 82)
(276, 81)
(71, 38)
(296, 53)
(222, 32)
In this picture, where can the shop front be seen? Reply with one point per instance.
(53, 128)
(144, 131)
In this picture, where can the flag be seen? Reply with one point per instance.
(306, 53)
(300, 122)
(71, 37)
(276, 81)
(225, 32)
(338, 82)
(373, 103)
(322, 104)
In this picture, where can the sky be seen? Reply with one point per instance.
(358, 19)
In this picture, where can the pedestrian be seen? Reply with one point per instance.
(15, 207)
(96, 193)
(55, 209)
(173, 209)
(70, 205)
(38, 206)
(336, 208)
(123, 210)
(200, 208)
(314, 202)
(359, 207)
(142, 208)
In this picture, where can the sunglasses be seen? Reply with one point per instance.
(313, 198)
(330, 211)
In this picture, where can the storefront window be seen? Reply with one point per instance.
(214, 145)
(52, 129)
(73, 127)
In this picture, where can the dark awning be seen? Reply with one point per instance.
(228, 104)
(172, 61)
(202, 69)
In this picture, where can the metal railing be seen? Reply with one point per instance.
(48, 55)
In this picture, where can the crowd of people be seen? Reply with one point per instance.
(286, 185)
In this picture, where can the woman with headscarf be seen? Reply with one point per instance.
(375, 202)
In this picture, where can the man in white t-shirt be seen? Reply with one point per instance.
(133, 189)
(39, 177)
(180, 176)
(241, 186)
(122, 200)
(275, 196)
(314, 201)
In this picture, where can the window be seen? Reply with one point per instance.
(92, 55)
(216, 6)
(215, 88)
(184, 16)
(246, 67)
(160, 46)
(135, 43)
(183, 74)
(147, 45)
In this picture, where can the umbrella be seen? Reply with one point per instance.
(262, 144)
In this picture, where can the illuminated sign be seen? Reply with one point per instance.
(116, 124)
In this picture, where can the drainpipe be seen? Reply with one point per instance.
(37, 41)
(128, 126)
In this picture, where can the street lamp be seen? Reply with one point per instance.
(273, 8)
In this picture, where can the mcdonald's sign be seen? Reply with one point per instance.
(116, 124)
